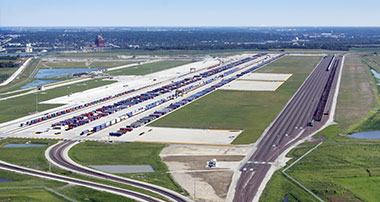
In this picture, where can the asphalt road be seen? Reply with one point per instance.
(290, 126)
(56, 154)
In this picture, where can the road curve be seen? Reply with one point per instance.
(58, 155)
(115, 190)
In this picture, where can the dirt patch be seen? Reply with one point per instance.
(187, 164)
(219, 181)
(199, 162)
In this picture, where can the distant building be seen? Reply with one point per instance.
(99, 40)
(28, 48)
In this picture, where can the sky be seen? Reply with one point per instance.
(189, 13)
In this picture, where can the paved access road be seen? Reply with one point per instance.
(56, 154)
(290, 126)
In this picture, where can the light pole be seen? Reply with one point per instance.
(195, 188)
(36, 102)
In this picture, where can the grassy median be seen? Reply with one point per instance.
(94, 153)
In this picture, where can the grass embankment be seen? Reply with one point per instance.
(21, 106)
(95, 64)
(3, 95)
(251, 111)
(24, 77)
(342, 168)
(149, 68)
(34, 157)
(94, 153)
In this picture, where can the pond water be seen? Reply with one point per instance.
(366, 135)
(24, 145)
(5, 180)
(49, 73)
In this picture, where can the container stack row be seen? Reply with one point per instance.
(59, 113)
(178, 84)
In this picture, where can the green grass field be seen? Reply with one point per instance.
(373, 60)
(148, 68)
(342, 168)
(8, 71)
(30, 195)
(110, 64)
(31, 157)
(64, 64)
(251, 111)
(3, 95)
(94, 153)
(365, 49)
(20, 106)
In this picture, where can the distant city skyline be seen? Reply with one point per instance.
(174, 13)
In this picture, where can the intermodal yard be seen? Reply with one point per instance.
(221, 126)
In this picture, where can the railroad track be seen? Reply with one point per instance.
(289, 126)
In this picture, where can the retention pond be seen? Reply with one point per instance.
(366, 135)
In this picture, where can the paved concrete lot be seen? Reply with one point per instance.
(258, 82)
(266, 77)
(124, 168)
(252, 85)
(185, 135)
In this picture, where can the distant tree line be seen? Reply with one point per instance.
(329, 38)
(7, 62)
